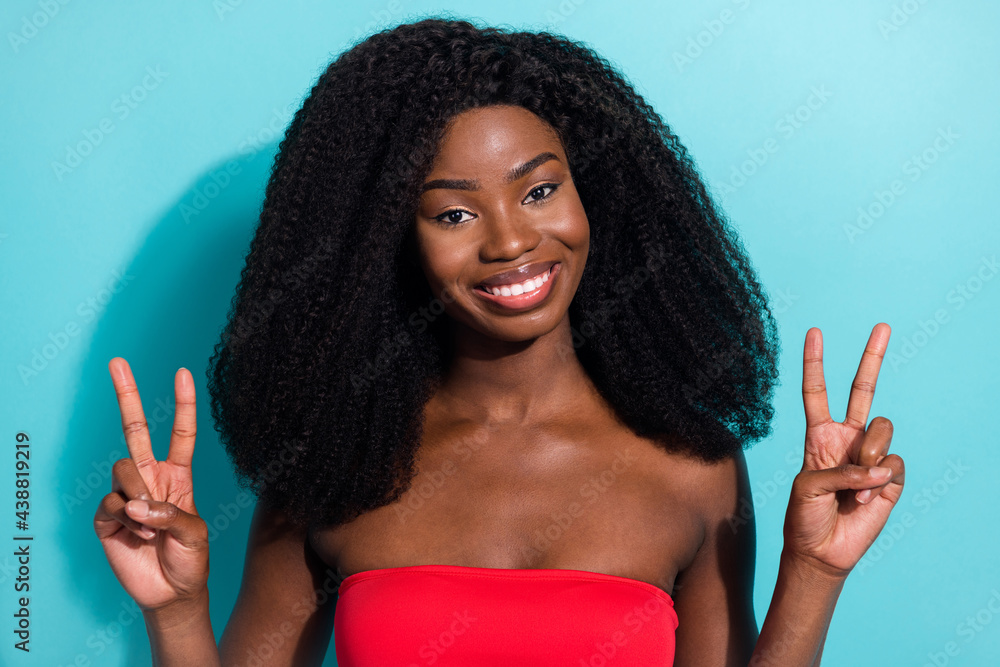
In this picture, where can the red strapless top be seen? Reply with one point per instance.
(447, 615)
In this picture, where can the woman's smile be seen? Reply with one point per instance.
(521, 296)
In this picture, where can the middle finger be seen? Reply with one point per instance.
(863, 387)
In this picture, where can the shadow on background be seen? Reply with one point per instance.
(168, 314)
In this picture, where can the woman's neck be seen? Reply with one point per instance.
(517, 383)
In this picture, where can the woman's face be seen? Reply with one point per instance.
(500, 198)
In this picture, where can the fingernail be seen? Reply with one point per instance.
(139, 508)
(148, 532)
(863, 496)
(879, 471)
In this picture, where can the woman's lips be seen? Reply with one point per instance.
(518, 275)
(525, 300)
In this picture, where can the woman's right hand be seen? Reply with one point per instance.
(160, 558)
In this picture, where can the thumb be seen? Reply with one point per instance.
(812, 483)
(188, 529)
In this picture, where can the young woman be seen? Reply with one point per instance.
(490, 370)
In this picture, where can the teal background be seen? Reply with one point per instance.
(105, 259)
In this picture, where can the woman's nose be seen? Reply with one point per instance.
(508, 236)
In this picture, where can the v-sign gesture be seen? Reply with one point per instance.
(159, 554)
(849, 482)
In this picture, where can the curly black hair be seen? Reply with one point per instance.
(334, 343)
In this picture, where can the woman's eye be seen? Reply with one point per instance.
(540, 188)
(452, 217)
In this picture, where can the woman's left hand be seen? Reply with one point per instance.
(837, 508)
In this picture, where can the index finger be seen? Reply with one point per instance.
(863, 387)
(140, 448)
(813, 385)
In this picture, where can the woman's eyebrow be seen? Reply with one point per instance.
(472, 184)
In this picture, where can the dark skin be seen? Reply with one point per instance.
(524, 431)
(537, 444)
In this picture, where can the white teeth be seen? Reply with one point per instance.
(521, 288)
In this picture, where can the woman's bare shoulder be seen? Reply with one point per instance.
(714, 489)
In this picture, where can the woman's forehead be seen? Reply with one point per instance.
(495, 137)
